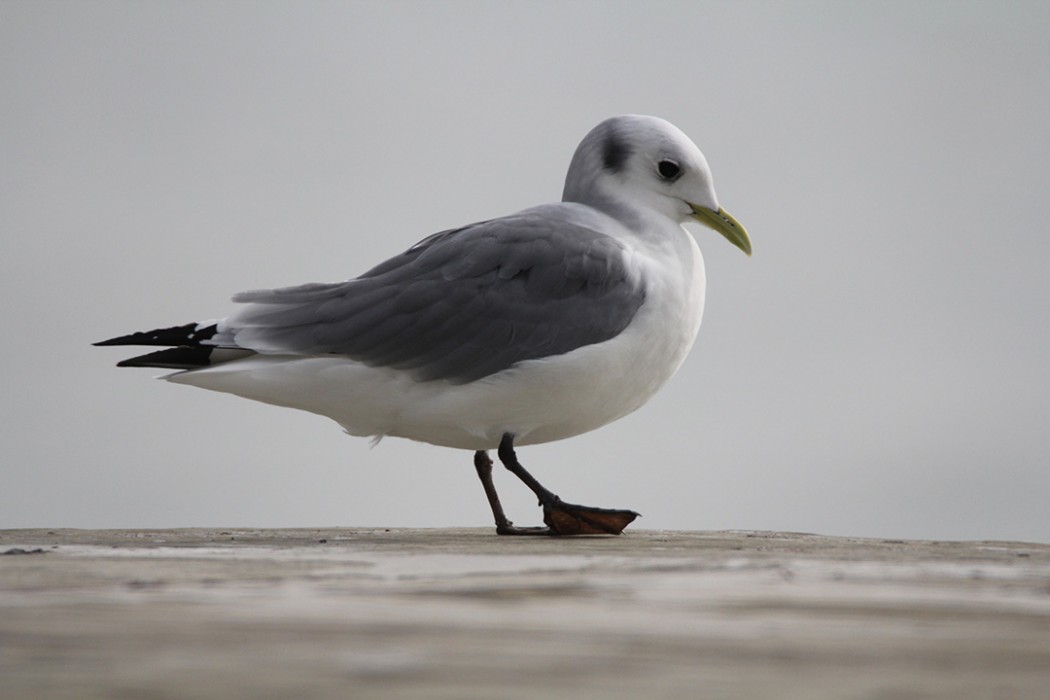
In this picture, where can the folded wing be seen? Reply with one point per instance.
(458, 306)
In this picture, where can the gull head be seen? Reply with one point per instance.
(640, 162)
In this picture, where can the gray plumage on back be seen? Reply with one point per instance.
(458, 306)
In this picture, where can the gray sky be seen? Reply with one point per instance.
(878, 368)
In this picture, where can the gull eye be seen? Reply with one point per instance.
(668, 169)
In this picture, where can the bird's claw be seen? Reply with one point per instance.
(570, 519)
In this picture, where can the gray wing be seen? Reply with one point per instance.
(460, 305)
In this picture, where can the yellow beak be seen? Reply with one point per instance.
(723, 222)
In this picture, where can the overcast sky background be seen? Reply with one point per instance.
(878, 368)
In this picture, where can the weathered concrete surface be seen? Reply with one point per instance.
(354, 613)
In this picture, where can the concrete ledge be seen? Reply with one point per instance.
(462, 613)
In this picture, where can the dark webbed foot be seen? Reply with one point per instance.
(562, 518)
(512, 529)
(570, 519)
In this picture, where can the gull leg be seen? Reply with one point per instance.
(483, 464)
(562, 518)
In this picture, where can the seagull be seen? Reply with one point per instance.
(530, 328)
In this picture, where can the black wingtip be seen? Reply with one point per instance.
(172, 358)
(190, 334)
(186, 357)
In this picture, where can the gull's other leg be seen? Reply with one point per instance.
(483, 464)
